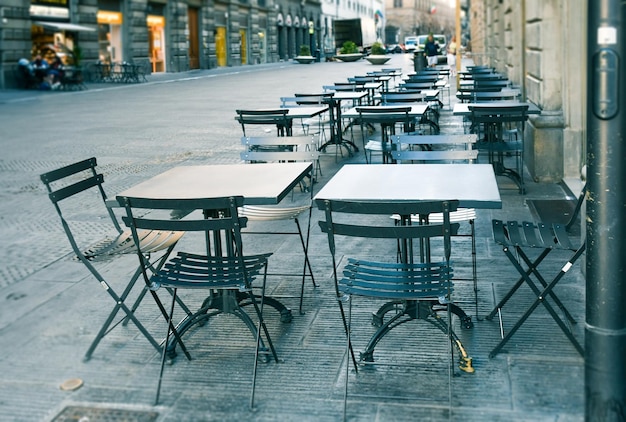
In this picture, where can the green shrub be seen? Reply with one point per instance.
(305, 50)
(348, 47)
(377, 49)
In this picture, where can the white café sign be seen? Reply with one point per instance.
(56, 9)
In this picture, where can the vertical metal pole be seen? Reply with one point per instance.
(605, 330)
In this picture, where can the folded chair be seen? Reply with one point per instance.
(222, 270)
(517, 240)
(419, 281)
(284, 149)
(82, 177)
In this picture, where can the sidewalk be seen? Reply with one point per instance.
(52, 307)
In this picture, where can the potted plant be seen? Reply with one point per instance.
(305, 56)
(349, 52)
(378, 55)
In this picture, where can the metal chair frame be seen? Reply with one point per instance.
(516, 238)
(426, 155)
(417, 282)
(277, 117)
(492, 119)
(224, 271)
(283, 149)
(76, 178)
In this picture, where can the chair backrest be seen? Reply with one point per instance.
(387, 115)
(279, 148)
(412, 85)
(499, 114)
(65, 182)
(423, 78)
(342, 218)
(343, 86)
(502, 83)
(313, 99)
(207, 215)
(450, 148)
(409, 96)
(361, 80)
(277, 117)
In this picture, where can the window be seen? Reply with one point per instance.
(397, 3)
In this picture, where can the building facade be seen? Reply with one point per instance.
(166, 35)
(417, 17)
(541, 46)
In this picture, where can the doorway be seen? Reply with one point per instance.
(220, 45)
(243, 46)
(194, 45)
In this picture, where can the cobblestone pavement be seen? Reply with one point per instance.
(51, 307)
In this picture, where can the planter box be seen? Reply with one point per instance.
(349, 57)
(375, 59)
(304, 59)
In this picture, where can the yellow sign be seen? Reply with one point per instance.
(112, 18)
(153, 20)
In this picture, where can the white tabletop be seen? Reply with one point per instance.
(349, 95)
(474, 185)
(462, 109)
(417, 110)
(259, 184)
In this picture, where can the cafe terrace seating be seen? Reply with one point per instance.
(221, 269)
(421, 281)
(67, 187)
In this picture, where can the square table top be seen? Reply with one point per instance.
(474, 185)
(462, 109)
(417, 109)
(259, 184)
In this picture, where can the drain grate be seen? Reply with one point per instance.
(96, 414)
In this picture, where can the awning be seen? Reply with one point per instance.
(63, 26)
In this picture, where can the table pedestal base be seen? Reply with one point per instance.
(424, 310)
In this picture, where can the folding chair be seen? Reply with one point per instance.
(387, 118)
(223, 271)
(444, 149)
(283, 149)
(517, 238)
(319, 122)
(276, 117)
(420, 283)
(69, 181)
(491, 120)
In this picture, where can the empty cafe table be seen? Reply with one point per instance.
(259, 184)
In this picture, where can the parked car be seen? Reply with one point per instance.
(395, 48)
(439, 39)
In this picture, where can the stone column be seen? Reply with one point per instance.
(544, 73)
